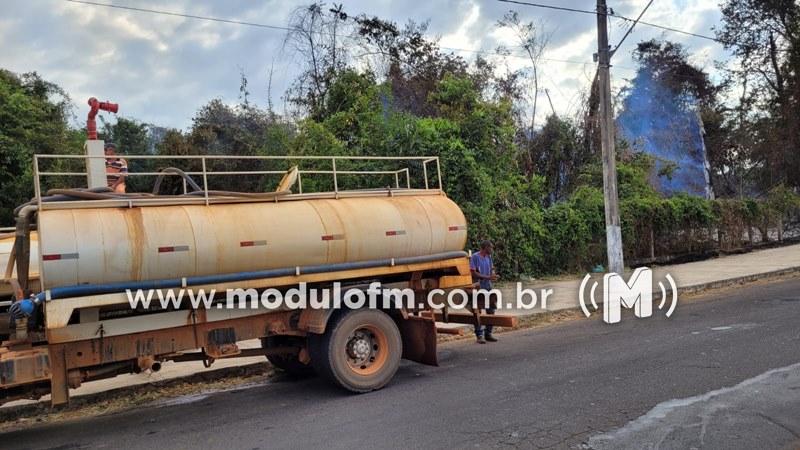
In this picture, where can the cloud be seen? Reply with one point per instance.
(161, 69)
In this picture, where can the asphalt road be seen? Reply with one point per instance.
(721, 373)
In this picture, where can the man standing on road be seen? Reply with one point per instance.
(482, 268)
(116, 169)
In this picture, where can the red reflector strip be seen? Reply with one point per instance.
(174, 248)
(396, 233)
(252, 243)
(456, 227)
(59, 256)
(333, 237)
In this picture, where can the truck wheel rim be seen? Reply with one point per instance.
(367, 350)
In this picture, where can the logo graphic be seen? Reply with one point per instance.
(636, 293)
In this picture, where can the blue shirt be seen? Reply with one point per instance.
(483, 265)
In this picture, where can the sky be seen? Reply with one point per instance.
(162, 69)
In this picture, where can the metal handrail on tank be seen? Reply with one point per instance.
(209, 197)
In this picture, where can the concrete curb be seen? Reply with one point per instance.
(738, 280)
(696, 288)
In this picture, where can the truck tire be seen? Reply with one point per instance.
(359, 351)
(288, 363)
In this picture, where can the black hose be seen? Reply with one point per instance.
(106, 193)
(254, 195)
(98, 190)
(183, 175)
(80, 194)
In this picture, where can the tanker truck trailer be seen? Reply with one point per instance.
(77, 259)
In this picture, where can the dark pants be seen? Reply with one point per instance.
(487, 329)
(490, 308)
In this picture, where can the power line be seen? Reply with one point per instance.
(490, 52)
(558, 8)
(276, 27)
(587, 11)
(627, 33)
(187, 16)
(674, 30)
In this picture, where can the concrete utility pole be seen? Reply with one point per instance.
(613, 231)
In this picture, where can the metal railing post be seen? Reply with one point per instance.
(439, 173)
(425, 172)
(37, 188)
(205, 180)
(335, 180)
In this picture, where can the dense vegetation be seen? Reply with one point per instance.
(536, 192)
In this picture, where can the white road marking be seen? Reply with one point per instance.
(762, 405)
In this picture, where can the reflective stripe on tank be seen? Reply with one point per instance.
(456, 227)
(333, 237)
(252, 243)
(59, 256)
(396, 233)
(174, 248)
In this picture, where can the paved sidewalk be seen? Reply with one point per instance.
(688, 277)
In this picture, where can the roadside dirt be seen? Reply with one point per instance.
(130, 397)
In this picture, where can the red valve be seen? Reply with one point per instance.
(95, 106)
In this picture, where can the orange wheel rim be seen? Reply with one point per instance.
(366, 350)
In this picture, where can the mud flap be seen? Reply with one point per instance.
(419, 340)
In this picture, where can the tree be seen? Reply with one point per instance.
(242, 130)
(412, 64)
(661, 116)
(534, 41)
(34, 117)
(764, 37)
(668, 62)
(558, 155)
(318, 36)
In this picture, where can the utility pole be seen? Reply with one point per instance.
(613, 230)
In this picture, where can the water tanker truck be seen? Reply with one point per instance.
(76, 255)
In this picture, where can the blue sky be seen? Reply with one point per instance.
(161, 69)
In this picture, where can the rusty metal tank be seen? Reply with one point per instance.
(105, 245)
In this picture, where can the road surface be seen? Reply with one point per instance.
(721, 373)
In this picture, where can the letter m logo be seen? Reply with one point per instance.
(637, 293)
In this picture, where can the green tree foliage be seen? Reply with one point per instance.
(558, 154)
(33, 119)
(412, 64)
(222, 130)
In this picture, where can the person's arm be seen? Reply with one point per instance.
(494, 276)
(479, 275)
(123, 172)
(473, 269)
